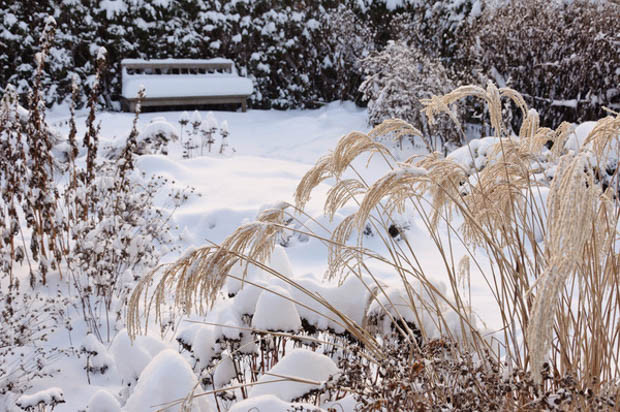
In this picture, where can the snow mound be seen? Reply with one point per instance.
(278, 261)
(203, 345)
(301, 364)
(131, 358)
(419, 312)
(167, 378)
(103, 401)
(99, 361)
(575, 140)
(246, 298)
(474, 155)
(350, 298)
(224, 371)
(274, 312)
(272, 404)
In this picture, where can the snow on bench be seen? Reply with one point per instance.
(176, 82)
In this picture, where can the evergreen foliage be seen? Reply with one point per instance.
(304, 53)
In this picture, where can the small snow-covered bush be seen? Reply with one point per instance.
(396, 79)
(41, 400)
(156, 136)
(28, 319)
(203, 135)
(275, 312)
(97, 359)
(310, 370)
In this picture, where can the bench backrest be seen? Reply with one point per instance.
(130, 67)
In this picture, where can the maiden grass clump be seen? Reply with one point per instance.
(537, 224)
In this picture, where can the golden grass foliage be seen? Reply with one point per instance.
(561, 291)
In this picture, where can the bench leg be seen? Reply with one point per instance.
(244, 105)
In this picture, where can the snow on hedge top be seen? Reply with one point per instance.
(302, 364)
(132, 357)
(579, 135)
(167, 377)
(350, 298)
(474, 155)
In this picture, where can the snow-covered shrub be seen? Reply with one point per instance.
(439, 374)
(27, 321)
(97, 359)
(99, 228)
(562, 55)
(26, 177)
(396, 79)
(350, 41)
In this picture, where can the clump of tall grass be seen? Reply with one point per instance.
(536, 221)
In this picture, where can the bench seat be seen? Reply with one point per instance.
(175, 82)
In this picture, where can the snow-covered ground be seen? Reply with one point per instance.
(272, 151)
(268, 153)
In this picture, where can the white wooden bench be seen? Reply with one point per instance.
(180, 82)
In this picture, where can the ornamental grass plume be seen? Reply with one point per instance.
(321, 171)
(341, 193)
(398, 185)
(444, 182)
(571, 212)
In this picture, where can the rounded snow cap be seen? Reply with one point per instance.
(276, 313)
